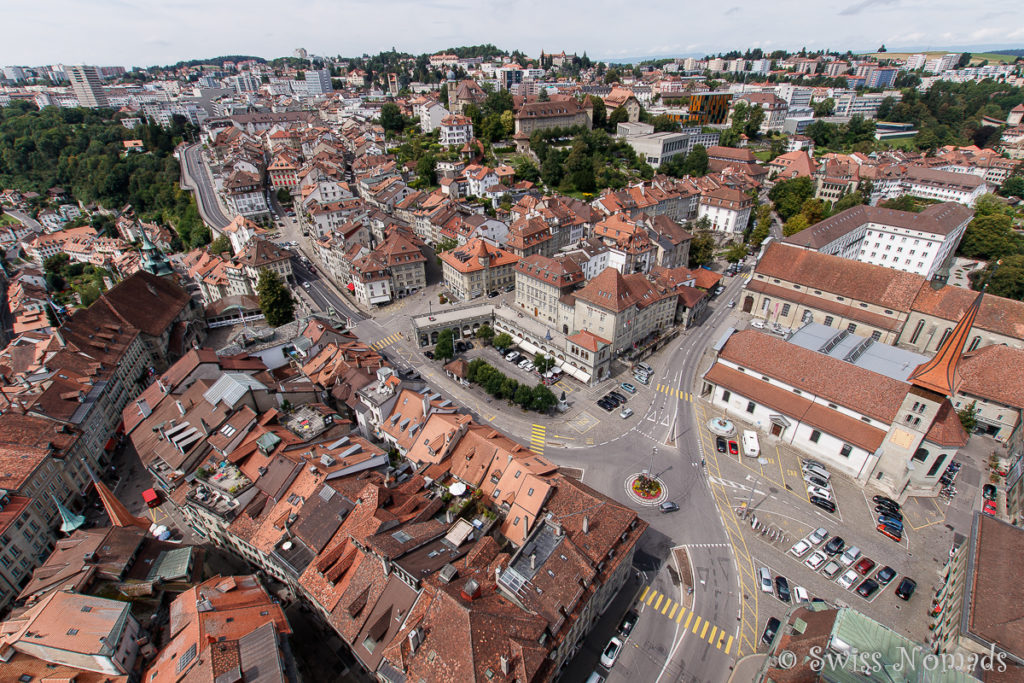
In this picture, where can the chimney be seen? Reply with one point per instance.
(533, 560)
(505, 665)
(415, 638)
(586, 524)
(181, 407)
(471, 590)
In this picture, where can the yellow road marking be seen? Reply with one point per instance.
(674, 608)
(705, 629)
(688, 620)
(682, 611)
(711, 636)
(728, 646)
(658, 603)
(696, 624)
(644, 594)
(721, 639)
(651, 599)
(665, 608)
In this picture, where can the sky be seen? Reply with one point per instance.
(158, 32)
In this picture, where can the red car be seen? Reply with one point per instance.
(890, 532)
(990, 507)
(734, 448)
(864, 566)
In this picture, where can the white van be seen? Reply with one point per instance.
(751, 448)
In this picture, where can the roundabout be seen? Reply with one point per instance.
(645, 489)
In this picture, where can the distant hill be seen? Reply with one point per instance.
(219, 61)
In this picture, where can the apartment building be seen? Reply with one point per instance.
(628, 310)
(727, 209)
(87, 86)
(455, 130)
(477, 268)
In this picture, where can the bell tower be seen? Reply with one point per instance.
(903, 460)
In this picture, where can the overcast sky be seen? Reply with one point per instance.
(151, 32)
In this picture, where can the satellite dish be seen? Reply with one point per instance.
(457, 489)
(287, 545)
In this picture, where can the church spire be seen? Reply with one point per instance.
(69, 520)
(116, 510)
(152, 259)
(939, 374)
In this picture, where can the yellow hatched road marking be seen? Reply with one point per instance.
(705, 629)
(658, 603)
(682, 611)
(665, 608)
(688, 620)
(673, 613)
(696, 624)
(728, 646)
(711, 636)
(643, 595)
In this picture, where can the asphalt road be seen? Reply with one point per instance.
(196, 176)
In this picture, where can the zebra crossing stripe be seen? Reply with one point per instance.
(647, 589)
(673, 613)
(682, 611)
(705, 629)
(658, 603)
(667, 604)
(728, 646)
(711, 636)
(696, 624)
(688, 620)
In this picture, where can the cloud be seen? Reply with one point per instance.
(863, 5)
(735, 9)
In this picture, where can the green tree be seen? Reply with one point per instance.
(848, 201)
(543, 363)
(1008, 279)
(989, 205)
(612, 76)
(485, 333)
(220, 245)
(543, 400)
(508, 123)
(391, 118)
(445, 348)
(525, 170)
(759, 234)
(503, 341)
(425, 169)
(443, 96)
(619, 115)
(275, 300)
(284, 196)
(990, 237)
(509, 386)
(56, 263)
(696, 163)
(1013, 187)
(494, 384)
(702, 250)
(664, 124)
(789, 196)
(969, 417)
(543, 96)
(754, 120)
(600, 112)
(824, 107)
(795, 224)
(735, 253)
(523, 397)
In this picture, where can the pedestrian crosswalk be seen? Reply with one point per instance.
(702, 628)
(537, 435)
(386, 341)
(672, 391)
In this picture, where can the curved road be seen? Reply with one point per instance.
(196, 177)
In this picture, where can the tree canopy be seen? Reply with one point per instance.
(275, 300)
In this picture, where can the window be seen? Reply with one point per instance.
(815, 435)
(935, 465)
(945, 335)
(921, 455)
(876, 335)
(750, 407)
(851, 328)
(785, 309)
(726, 395)
(829, 320)
(846, 450)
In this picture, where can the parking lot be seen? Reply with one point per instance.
(769, 497)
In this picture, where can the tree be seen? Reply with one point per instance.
(509, 386)
(445, 348)
(989, 205)
(789, 195)
(502, 341)
(702, 250)
(754, 120)
(664, 124)
(965, 60)
(848, 201)
(391, 118)
(275, 300)
(1008, 279)
(696, 163)
(600, 112)
(56, 263)
(443, 97)
(543, 399)
(735, 253)
(284, 196)
(990, 237)
(759, 234)
(612, 76)
(795, 224)
(220, 245)
(969, 417)
(1013, 187)
(543, 363)
(425, 169)
(523, 397)
(485, 333)
(543, 96)
(824, 107)
(620, 115)
(525, 170)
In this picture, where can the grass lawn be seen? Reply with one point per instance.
(6, 220)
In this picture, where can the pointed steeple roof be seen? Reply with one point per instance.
(153, 260)
(69, 520)
(939, 374)
(116, 510)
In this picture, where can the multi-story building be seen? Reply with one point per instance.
(774, 107)
(456, 129)
(318, 82)
(259, 255)
(727, 209)
(431, 114)
(563, 113)
(541, 282)
(708, 108)
(87, 86)
(921, 243)
(405, 262)
(477, 268)
(657, 148)
(244, 195)
(627, 310)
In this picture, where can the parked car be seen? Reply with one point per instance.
(847, 579)
(611, 399)
(525, 364)
(989, 491)
(800, 594)
(831, 569)
(619, 397)
(607, 405)
(892, 532)
(817, 536)
(824, 503)
(816, 470)
(611, 653)
(885, 575)
(668, 506)
(906, 588)
(819, 492)
(990, 508)
(460, 347)
(864, 566)
(429, 354)
(720, 444)
(816, 559)
(469, 345)
(734, 448)
(800, 548)
(885, 500)
(626, 412)
(764, 579)
(627, 623)
(640, 377)
(835, 545)
(757, 324)
(495, 293)
(770, 629)
(644, 367)
(626, 386)
(512, 356)
(815, 480)
(782, 589)
(891, 512)
(891, 521)
(867, 588)
(849, 556)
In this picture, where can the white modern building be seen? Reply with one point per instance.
(727, 209)
(456, 130)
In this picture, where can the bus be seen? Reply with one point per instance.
(751, 448)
